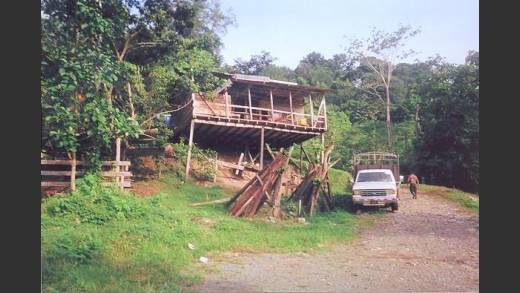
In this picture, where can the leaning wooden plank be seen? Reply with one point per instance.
(270, 151)
(230, 165)
(210, 202)
(244, 188)
(239, 162)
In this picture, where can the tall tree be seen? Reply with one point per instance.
(447, 151)
(255, 65)
(379, 53)
(134, 55)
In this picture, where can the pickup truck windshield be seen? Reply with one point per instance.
(374, 177)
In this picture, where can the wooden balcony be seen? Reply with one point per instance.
(252, 116)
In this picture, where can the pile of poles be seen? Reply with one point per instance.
(264, 187)
(312, 194)
(314, 190)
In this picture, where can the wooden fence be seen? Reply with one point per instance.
(115, 172)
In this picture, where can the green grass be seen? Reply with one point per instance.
(339, 182)
(101, 240)
(466, 200)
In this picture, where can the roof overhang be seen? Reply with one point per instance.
(268, 83)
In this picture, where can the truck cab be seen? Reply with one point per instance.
(377, 180)
(376, 187)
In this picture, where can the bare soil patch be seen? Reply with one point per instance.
(430, 245)
(147, 188)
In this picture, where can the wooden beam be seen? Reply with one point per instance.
(312, 110)
(190, 143)
(226, 98)
(249, 99)
(291, 107)
(239, 163)
(270, 151)
(325, 112)
(301, 158)
(54, 183)
(320, 107)
(240, 125)
(73, 172)
(69, 162)
(272, 104)
(323, 148)
(119, 180)
(261, 148)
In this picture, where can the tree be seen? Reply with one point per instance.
(315, 70)
(134, 55)
(255, 65)
(379, 53)
(447, 151)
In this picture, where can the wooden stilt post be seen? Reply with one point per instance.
(291, 107)
(301, 158)
(226, 98)
(249, 99)
(73, 172)
(216, 168)
(190, 143)
(120, 179)
(272, 104)
(322, 148)
(325, 112)
(237, 171)
(312, 110)
(261, 148)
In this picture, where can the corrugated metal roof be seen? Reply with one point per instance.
(259, 79)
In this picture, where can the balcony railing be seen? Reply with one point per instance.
(258, 114)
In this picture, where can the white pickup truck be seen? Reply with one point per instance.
(375, 180)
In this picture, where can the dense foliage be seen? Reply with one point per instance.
(108, 67)
(433, 104)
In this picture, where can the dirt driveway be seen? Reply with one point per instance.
(429, 245)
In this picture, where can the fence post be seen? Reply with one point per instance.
(120, 180)
(216, 168)
(73, 172)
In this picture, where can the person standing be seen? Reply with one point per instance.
(413, 181)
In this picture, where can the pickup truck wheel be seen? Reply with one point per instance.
(394, 206)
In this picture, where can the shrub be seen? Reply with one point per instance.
(76, 247)
(94, 204)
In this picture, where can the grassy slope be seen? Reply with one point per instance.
(150, 253)
(466, 200)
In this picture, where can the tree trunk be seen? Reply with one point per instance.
(417, 124)
(388, 120)
(129, 89)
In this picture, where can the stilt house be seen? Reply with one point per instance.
(250, 111)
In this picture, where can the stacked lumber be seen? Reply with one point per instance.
(314, 184)
(264, 187)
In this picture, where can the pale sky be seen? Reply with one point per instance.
(290, 29)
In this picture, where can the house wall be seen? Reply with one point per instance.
(205, 106)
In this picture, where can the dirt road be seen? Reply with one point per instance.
(429, 245)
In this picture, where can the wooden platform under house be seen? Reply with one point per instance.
(250, 111)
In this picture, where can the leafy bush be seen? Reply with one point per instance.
(289, 207)
(94, 204)
(74, 246)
